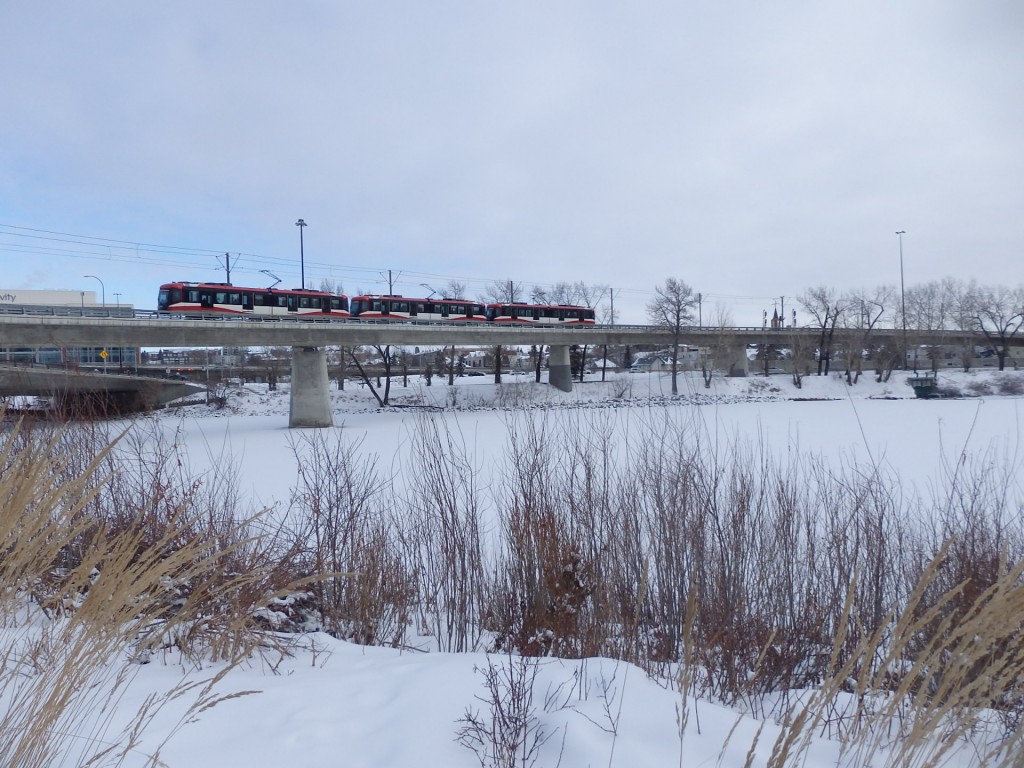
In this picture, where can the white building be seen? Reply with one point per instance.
(12, 300)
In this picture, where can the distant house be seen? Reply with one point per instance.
(649, 364)
(689, 359)
(603, 364)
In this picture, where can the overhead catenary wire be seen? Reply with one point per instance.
(56, 243)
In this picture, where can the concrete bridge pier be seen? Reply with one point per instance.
(741, 363)
(310, 399)
(559, 369)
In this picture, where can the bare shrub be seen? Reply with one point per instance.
(443, 534)
(1010, 384)
(510, 734)
(622, 387)
(977, 389)
(362, 588)
(543, 580)
(85, 597)
(517, 395)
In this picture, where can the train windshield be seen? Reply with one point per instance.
(167, 297)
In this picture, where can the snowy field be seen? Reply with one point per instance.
(825, 420)
(333, 703)
(338, 704)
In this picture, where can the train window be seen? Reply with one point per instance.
(234, 298)
(399, 306)
(193, 296)
(257, 299)
(282, 301)
(220, 297)
(335, 303)
(571, 314)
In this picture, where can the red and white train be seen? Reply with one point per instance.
(222, 298)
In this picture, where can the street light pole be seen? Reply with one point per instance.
(903, 301)
(103, 289)
(301, 224)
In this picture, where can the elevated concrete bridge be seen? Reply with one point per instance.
(308, 338)
(77, 391)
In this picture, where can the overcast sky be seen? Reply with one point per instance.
(751, 149)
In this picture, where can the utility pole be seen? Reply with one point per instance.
(301, 224)
(903, 303)
(227, 264)
(611, 321)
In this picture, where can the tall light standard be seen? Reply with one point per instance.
(103, 288)
(301, 224)
(903, 301)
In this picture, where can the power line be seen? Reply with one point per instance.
(207, 259)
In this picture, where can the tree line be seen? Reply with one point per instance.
(993, 313)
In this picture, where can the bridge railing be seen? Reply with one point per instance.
(68, 311)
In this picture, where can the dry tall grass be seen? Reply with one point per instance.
(90, 590)
(829, 599)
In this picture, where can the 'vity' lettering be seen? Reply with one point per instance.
(8, 296)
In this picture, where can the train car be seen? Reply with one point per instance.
(224, 298)
(540, 314)
(389, 307)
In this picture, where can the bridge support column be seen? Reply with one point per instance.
(559, 370)
(310, 401)
(741, 363)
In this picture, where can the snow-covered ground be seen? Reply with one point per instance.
(339, 704)
(869, 422)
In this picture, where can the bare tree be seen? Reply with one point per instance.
(672, 308)
(559, 293)
(998, 313)
(537, 357)
(865, 312)
(824, 307)
(331, 286)
(959, 296)
(502, 292)
(588, 296)
(454, 289)
(386, 359)
(929, 308)
(713, 352)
